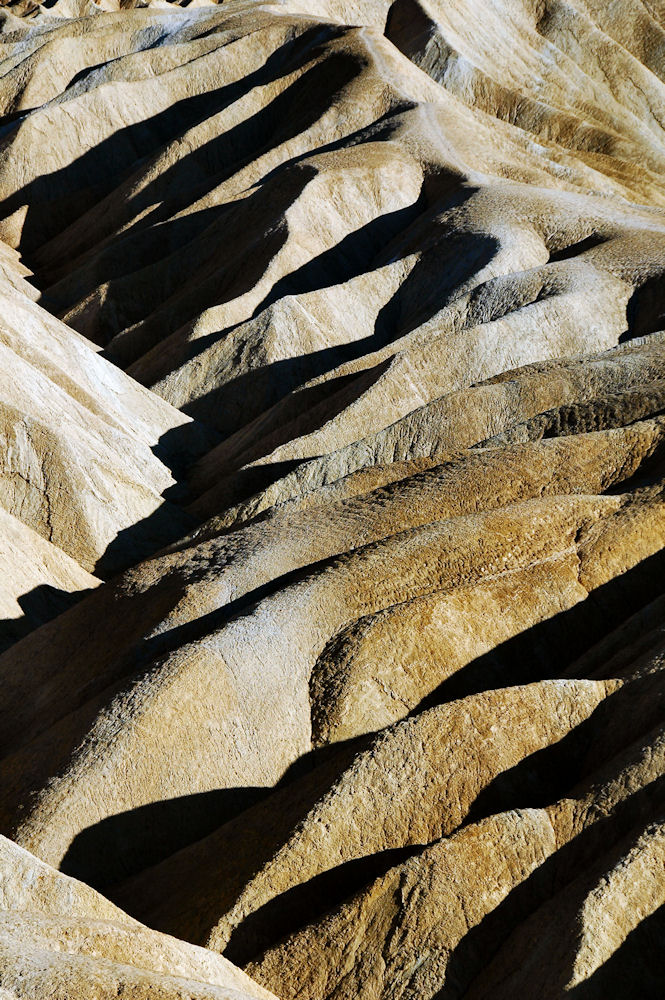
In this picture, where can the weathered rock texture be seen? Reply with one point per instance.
(60, 938)
(332, 499)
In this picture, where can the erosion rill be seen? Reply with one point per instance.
(332, 500)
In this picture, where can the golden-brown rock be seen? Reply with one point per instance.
(333, 366)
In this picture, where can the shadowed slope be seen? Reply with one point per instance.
(371, 699)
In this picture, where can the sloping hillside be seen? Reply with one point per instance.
(332, 508)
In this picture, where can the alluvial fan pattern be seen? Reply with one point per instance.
(332, 500)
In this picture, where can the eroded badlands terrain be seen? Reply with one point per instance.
(332, 511)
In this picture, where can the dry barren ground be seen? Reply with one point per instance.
(332, 500)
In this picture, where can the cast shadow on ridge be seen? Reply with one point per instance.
(645, 312)
(539, 652)
(102, 168)
(308, 902)
(121, 845)
(39, 606)
(636, 970)
(219, 165)
(177, 449)
(536, 781)
(569, 861)
(231, 406)
(221, 158)
(114, 849)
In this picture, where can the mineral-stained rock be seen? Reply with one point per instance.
(418, 930)
(427, 938)
(399, 936)
(332, 517)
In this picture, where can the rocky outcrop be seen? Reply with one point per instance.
(60, 938)
(332, 437)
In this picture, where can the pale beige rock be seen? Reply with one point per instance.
(376, 700)
(397, 937)
(35, 579)
(286, 631)
(60, 938)
(80, 440)
(459, 419)
(429, 924)
(417, 764)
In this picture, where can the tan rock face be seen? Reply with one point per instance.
(58, 937)
(332, 452)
